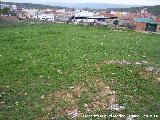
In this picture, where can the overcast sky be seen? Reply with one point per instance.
(128, 2)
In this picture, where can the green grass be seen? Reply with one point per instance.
(37, 60)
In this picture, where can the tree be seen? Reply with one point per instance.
(5, 11)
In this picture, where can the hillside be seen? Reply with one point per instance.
(95, 6)
(155, 10)
(62, 71)
(30, 5)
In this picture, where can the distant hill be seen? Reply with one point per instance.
(92, 5)
(155, 10)
(31, 6)
(71, 5)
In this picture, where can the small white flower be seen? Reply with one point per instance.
(41, 76)
(71, 87)
(21, 59)
(101, 43)
(116, 107)
(59, 71)
(17, 32)
(33, 61)
(0, 55)
(145, 62)
(16, 103)
(107, 87)
(137, 63)
(74, 113)
(48, 77)
(113, 92)
(53, 118)
(42, 96)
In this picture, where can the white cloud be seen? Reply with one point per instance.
(128, 2)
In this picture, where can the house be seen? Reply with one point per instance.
(119, 14)
(88, 19)
(2, 6)
(61, 10)
(108, 15)
(81, 16)
(123, 21)
(158, 19)
(158, 25)
(80, 13)
(13, 8)
(158, 28)
(31, 13)
(145, 24)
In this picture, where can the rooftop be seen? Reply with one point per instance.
(144, 20)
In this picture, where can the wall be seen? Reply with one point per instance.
(158, 28)
(48, 17)
(140, 26)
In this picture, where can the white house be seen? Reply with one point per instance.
(61, 10)
(82, 16)
(13, 8)
(2, 6)
(48, 17)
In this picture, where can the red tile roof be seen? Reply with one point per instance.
(158, 20)
(106, 14)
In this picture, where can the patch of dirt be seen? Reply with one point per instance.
(119, 62)
(99, 65)
(91, 95)
(158, 79)
(151, 72)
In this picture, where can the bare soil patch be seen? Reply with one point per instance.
(90, 96)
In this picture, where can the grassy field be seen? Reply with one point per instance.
(64, 71)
